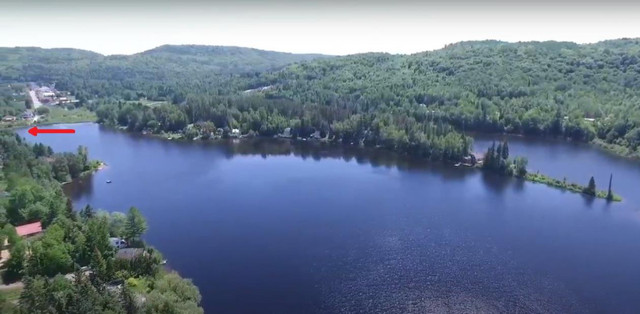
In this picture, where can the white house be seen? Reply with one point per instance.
(118, 243)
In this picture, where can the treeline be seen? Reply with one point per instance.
(73, 267)
(497, 160)
(411, 129)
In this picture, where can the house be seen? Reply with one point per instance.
(118, 243)
(9, 118)
(29, 230)
(476, 158)
(27, 115)
(469, 160)
(286, 133)
(130, 253)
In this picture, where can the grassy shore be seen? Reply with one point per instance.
(55, 116)
(618, 150)
(564, 185)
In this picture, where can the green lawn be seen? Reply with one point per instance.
(59, 115)
(55, 115)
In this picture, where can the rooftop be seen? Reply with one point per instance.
(129, 253)
(29, 229)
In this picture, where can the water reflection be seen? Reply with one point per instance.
(80, 187)
(361, 155)
(495, 182)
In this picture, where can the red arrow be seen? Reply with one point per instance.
(34, 131)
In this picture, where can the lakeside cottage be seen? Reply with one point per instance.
(29, 230)
(286, 133)
(118, 243)
(26, 231)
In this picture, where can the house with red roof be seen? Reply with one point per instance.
(29, 230)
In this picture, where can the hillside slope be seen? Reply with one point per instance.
(553, 88)
(166, 68)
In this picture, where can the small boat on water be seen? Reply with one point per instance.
(164, 261)
(108, 181)
(458, 164)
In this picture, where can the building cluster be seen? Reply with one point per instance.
(50, 96)
(27, 115)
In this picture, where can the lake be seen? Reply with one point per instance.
(267, 226)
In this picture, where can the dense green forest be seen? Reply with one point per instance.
(410, 103)
(72, 267)
(166, 72)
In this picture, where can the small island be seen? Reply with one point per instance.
(497, 160)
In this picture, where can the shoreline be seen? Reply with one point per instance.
(569, 186)
(58, 120)
(598, 144)
(101, 165)
(536, 178)
(551, 182)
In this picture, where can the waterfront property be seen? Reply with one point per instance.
(29, 230)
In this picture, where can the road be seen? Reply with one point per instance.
(34, 99)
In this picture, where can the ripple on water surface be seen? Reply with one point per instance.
(408, 272)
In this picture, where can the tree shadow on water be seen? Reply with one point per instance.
(518, 185)
(79, 187)
(588, 200)
(495, 182)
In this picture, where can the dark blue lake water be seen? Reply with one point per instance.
(267, 226)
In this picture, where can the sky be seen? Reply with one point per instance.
(329, 27)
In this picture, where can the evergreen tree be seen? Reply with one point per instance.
(591, 188)
(87, 212)
(505, 150)
(99, 266)
(610, 192)
(136, 224)
(489, 157)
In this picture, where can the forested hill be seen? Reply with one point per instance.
(169, 68)
(553, 88)
(522, 87)
(224, 59)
